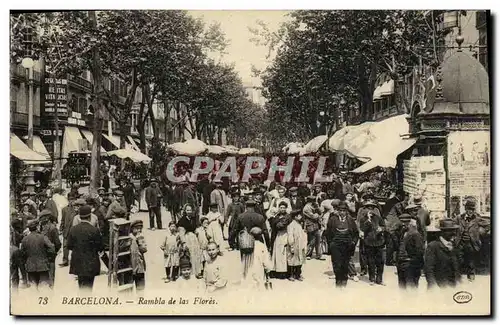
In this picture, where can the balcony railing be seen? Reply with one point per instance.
(80, 82)
(21, 119)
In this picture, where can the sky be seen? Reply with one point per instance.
(241, 51)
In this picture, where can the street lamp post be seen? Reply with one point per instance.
(28, 64)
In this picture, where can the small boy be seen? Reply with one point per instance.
(214, 276)
(185, 283)
(171, 253)
(137, 250)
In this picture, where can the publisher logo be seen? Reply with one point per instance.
(462, 297)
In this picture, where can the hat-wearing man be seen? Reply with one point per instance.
(49, 230)
(441, 260)
(101, 192)
(49, 204)
(296, 202)
(25, 199)
(117, 207)
(393, 208)
(312, 224)
(233, 212)
(249, 219)
(37, 251)
(219, 197)
(85, 243)
(372, 228)
(410, 255)
(471, 227)
(129, 194)
(137, 250)
(423, 216)
(153, 196)
(342, 235)
(84, 212)
(68, 213)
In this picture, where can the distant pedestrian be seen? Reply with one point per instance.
(153, 197)
(372, 228)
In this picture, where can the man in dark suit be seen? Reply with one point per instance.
(441, 258)
(470, 229)
(153, 197)
(296, 201)
(372, 227)
(49, 230)
(85, 242)
(129, 194)
(250, 219)
(37, 251)
(68, 213)
(48, 204)
(311, 215)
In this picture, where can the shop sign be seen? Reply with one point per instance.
(55, 91)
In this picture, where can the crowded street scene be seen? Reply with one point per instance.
(154, 156)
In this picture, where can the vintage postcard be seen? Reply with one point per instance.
(301, 162)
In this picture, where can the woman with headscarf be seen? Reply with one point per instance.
(188, 222)
(279, 240)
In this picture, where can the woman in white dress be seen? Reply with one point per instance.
(215, 220)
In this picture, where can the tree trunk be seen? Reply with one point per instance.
(181, 122)
(141, 126)
(192, 127)
(219, 136)
(166, 111)
(95, 155)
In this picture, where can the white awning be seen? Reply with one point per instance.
(387, 88)
(71, 139)
(136, 156)
(90, 138)
(115, 140)
(21, 151)
(39, 147)
(316, 143)
(387, 156)
(132, 143)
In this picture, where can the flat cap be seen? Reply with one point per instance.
(136, 223)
